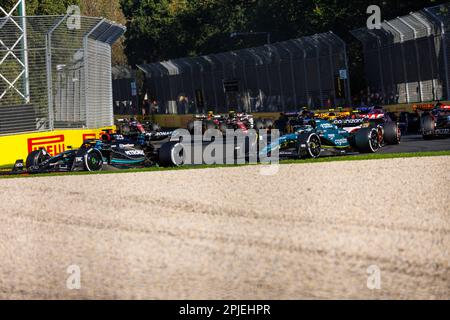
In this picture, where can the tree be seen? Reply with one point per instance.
(42, 7)
(111, 10)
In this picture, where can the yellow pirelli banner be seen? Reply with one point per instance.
(18, 146)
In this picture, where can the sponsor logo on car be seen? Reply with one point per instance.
(161, 134)
(442, 131)
(52, 144)
(124, 146)
(135, 153)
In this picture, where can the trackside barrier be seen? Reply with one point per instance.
(407, 59)
(310, 71)
(14, 147)
(181, 121)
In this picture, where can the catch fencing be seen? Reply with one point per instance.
(407, 59)
(55, 72)
(307, 72)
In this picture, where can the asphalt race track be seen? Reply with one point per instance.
(415, 143)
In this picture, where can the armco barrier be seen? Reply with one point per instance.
(14, 147)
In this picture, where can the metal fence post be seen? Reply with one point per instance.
(380, 61)
(333, 75)
(419, 74)
(444, 46)
(430, 48)
(273, 50)
(86, 69)
(402, 49)
(348, 86)
(48, 61)
(23, 14)
(291, 58)
(213, 77)
(318, 72)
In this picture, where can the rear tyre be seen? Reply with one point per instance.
(309, 146)
(35, 159)
(93, 160)
(392, 133)
(367, 140)
(172, 154)
(428, 126)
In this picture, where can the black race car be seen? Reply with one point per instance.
(436, 123)
(114, 150)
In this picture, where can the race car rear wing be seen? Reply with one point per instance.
(332, 115)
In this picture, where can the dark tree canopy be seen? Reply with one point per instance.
(165, 29)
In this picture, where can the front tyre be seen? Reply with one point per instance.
(172, 154)
(392, 133)
(309, 146)
(428, 126)
(367, 140)
(35, 159)
(93, 160)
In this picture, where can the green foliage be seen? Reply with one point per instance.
(42, 7)
(165, 29)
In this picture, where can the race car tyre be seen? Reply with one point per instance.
(309, 146)
(93, 160)
(367, 140)
(428, 126)
(35, 159)
(392, 133)
(259, 125)
(172, 154)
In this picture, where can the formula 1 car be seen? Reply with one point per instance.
(436, 123)
(234, 120)
(157, 144)
(210, 121)
(388, 129)
(113, 149)
(313, 138)
(125, 126)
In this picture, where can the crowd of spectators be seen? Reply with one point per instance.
(374, 98)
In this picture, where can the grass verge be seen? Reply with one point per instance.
(359, 157)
